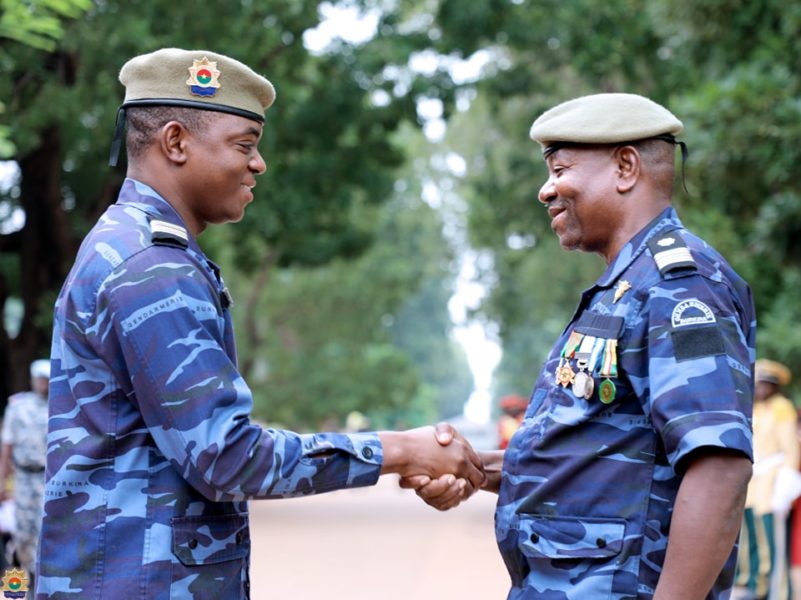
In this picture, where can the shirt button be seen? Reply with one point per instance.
(600, 542)
(192, 544)
(367, 452)
(535, 538)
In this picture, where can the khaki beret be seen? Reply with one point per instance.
(196, 79)
(771, 371)
(603, 119)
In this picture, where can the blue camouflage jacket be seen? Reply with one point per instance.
(151, 454)
(656, 363)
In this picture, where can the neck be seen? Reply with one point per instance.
(168, 187)
(636, 216)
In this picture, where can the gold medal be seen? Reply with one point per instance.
(565, 375)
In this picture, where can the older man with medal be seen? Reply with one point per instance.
(627, 477)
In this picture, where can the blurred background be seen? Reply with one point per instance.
(395, 268)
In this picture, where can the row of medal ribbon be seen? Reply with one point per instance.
(588, 351)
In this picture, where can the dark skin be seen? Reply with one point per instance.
(208, 178)
(598, 198)
(764, 390)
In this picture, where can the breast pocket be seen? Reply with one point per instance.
(211, 557)
(576, 556)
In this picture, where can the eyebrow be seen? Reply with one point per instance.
(252, 131)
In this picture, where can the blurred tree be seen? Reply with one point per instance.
(35, 23)
(328, 144)
(728, 68)
(38, 23)
(367, 334)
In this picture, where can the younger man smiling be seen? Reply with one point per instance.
(151, 454)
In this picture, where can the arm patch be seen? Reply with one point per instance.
(697, 342)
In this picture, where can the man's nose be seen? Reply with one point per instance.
(547, 191)
(257, 164)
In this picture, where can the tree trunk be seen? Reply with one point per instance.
(45, 251)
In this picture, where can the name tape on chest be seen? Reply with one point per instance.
(671, 252)
(164, 232)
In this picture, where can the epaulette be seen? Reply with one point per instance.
(163, 232)
(671, 253)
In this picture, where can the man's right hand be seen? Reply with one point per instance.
(418, 452)
(447, 492)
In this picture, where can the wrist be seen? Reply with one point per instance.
(393, 445)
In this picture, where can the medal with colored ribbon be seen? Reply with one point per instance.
(607, 389)
(564, 374)
(583, 383)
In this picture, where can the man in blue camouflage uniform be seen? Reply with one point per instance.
(24, 445)
(151, 454)
(627, 477)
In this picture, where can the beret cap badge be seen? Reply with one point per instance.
(203, 76)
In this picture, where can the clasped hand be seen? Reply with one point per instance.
(438, 463)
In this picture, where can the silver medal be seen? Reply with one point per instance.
(582, 384)
(589, 387)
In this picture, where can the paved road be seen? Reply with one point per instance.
(375, 543)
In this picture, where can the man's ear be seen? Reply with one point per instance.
(172, 138)
(629, 166)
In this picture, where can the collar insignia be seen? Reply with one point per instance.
(623, 286)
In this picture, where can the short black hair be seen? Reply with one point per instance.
(659, 158)
(145, 121)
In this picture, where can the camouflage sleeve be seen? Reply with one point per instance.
(158, 319)
(699, 367)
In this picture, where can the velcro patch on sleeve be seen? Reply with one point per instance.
(697, 342)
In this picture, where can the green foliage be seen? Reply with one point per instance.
(38, 23)
(728, 68)
(369, 334)
(341, 286)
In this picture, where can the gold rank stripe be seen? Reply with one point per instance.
(168, 228)
(672, 257)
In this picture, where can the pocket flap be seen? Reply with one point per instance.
(570, 537)
(209, 540)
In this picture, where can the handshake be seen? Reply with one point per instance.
(439, 464)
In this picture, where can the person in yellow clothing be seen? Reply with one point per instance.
(762, 561)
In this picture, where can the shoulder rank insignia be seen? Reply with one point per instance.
(671, 252)
(163, 232)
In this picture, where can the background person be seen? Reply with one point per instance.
(762, 569)
(513, 407)
(151, 453)
(24, 446)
